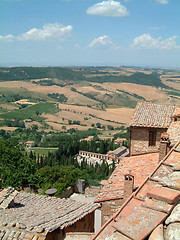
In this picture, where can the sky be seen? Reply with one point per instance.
(142, 33)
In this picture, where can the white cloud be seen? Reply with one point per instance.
(49, 31)
(146, 41)
(100, 41)
(108, 8)
(162, 1)
(7, 37)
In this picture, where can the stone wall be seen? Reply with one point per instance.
(139, 140)
(109, 208)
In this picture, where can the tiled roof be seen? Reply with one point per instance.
(38, 215)
(118, 150)
(150, 205)
(17, 234)
(7, 197)
(152, 115)
(139, 166)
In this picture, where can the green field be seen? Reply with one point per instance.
(30, 112)
(42, 151)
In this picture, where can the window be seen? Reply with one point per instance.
(152, 138)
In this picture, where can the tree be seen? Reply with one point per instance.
(17, 169)
(69, 122)
(37, 112)
(110, 127)
(98, 125)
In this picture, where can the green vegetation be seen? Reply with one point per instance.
(59, 177)
(42, 151)
(58, 169)
(174, 93)
(27, 73)
(132, 94)
(59, 97)
(138, 78)
(17, 169)
(30, 111)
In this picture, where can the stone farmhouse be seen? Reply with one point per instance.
(148, 122)
(37, 217)
(144, 189)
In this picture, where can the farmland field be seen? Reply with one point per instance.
(82, 97)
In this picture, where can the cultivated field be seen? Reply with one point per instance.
(85, 103)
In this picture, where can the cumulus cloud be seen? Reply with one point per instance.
(100, 41)
(108, 8)
(7, 37)
(49, 31)
(147, 41)
(162, 1)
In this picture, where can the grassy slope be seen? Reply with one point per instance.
(101, 95)
(30, 111)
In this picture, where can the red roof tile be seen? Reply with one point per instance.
(150, 205)
(152, 115)
(139, 166)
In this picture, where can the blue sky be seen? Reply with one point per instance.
(90, 32)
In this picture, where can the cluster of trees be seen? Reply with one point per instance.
(59, 97)
(11, 98)
(26, 73)
(15, 123)
(17, 169)
(58, 170)
(137, 78)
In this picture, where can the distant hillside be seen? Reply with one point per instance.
(137, 78)
(73, 75)
(27, 73)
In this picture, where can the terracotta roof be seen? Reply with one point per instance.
(150, 205)
(15, 234)
(139, 166)
(7, 197)
(37, 214)
(152, 115)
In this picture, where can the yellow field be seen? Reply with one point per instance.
(149, 93)
(73, 97)
(88, 112)
(87, 116)
(8, 128)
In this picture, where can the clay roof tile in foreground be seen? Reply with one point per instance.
(37, 214)
(139, 166)
(152, 115)
(150, 205)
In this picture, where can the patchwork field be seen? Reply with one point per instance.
(86, 97)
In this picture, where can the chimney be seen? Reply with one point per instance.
(128, 185)
(164, 145)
